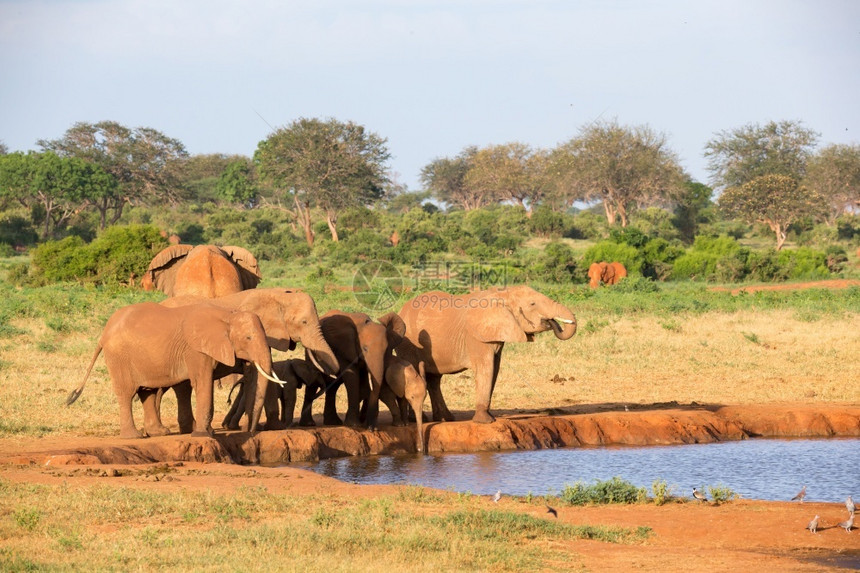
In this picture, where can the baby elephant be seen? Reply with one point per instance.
(405, 386)
(280, 402)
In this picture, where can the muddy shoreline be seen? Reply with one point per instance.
(641, 425)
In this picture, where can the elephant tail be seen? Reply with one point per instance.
(75, 394)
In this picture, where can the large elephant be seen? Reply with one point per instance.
(606, 273)
(361, 346)
(452, 333)
(204, 270)
(148, 346)
(289, 317)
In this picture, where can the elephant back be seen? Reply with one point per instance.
(161, 272)
(246, 263)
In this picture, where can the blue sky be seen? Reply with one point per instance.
(431, 77)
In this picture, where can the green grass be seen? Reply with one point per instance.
(46, 527)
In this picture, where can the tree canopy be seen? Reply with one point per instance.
(621, 167)
(835, 173)
(740, 155)
(53, 187)
(774, 199)
(145, 163)
(327, 164)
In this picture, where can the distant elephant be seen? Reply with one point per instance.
(606, 273)
(452, 333)
(204, 270)
(148, 346)
(362, 346)
(288, 317)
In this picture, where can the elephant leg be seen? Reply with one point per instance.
(371, 405)
(486, 372)
(352, 383)
(127, 429)
(312, 392)
(255, 396)
(237, 410)
(441, 413)
(184, 413)
(203, 388)
(330, 417)
(271, 404)
(152, 425)
(394, 406)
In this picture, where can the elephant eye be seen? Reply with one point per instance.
(305, 321)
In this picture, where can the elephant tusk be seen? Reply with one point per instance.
(276, 380)
(563, 320)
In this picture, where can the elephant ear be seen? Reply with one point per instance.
(249, 271)
(161, 272)
(206, 330)
(494, 323)
(395, 327)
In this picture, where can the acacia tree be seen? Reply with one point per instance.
(777, 148)
(622, 167)
(777, 200)
(835, 173)
(327, 164)
(145, 163)
(508, 172)
(59, 186)
(445, 179)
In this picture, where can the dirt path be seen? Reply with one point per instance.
(737, 536)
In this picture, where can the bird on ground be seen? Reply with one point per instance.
(849, 505)
(847, 525)
(699, 495)
(800, 495)
(813, 525)
(551, 510)
(498, 496)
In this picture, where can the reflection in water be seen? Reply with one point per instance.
(756, 469)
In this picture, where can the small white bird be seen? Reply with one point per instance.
(847, 525)
(498, 496)
(699, 495)
(800, 495)
(813, 525)
(849, 505)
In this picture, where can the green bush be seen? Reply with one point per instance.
(120, 252)
(615, 490)
(609, 251)
(803, 263)
(16, 229)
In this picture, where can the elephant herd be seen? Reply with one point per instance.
(216, 323)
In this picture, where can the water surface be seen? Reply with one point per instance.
(756, 469)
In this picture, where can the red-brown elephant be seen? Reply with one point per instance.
(606, 273)
(204, 270)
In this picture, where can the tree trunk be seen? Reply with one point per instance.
(331, 219)
(609, 209)
(303, 214)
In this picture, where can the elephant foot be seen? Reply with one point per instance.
(398, 424)
(131, 434)
(276, 425)
(155, 431)
(307, 423)
(332, 421)
(483, 417)
(201, 434)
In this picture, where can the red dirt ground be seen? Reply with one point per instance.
(736, 536)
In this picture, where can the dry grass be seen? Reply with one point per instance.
(725, 358)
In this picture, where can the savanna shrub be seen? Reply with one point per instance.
(658, 256)
(610, 251)
(547, 223)
(556, 264)
(17, 229)
(120, 252)
(803, 263)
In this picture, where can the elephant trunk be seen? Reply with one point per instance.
(563, 323)
(320, 353)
